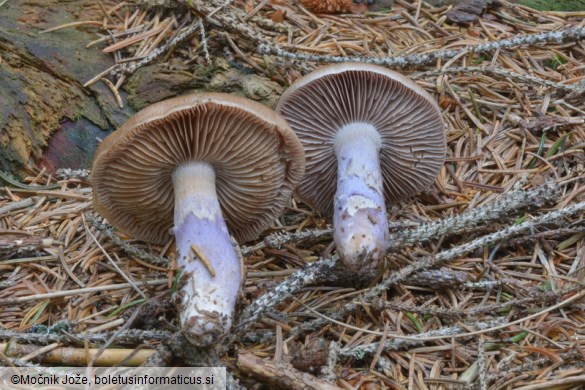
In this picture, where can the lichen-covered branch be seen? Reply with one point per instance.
(24, 244)
(277, 240)
(210, 12)
(396, 344)
(502, 208)
(128, 248)
(573, 356)
(68, 174)
(127, 337)
(568, 35)
(527, 78)
(554, 217)
(437, 279)
(309, 275)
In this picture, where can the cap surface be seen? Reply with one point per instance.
(257, 159)
(407, 118)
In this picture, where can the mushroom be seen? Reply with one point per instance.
(199, 167)
(370, 135)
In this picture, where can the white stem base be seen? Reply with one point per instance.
(210, 288)
(359, 218)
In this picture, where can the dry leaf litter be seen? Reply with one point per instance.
(483, 286)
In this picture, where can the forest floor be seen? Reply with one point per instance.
(483, 284)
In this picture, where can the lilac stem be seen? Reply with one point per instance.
(359, 217)
(210, 288)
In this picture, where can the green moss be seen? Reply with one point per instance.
(555, 62)
(555, 5)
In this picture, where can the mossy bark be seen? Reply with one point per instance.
(41, 82)
(47, 117)
(156, 82)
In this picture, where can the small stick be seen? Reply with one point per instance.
(204, 41)
(61, 256)
(39, 352)
(21, 204)
(99, 76)
(80, 356)
(481, 364)
(201, 256)
(106, 326)
(115, 92)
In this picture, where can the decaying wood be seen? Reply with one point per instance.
(311, 357)
(282, 376)
(470, 10)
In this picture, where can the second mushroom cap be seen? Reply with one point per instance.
(406, 117)
(370, 135)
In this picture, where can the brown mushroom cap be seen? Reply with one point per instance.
(408, 119)
(257, 159)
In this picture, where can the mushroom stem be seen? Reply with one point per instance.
(359, 217)
(210, 287)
